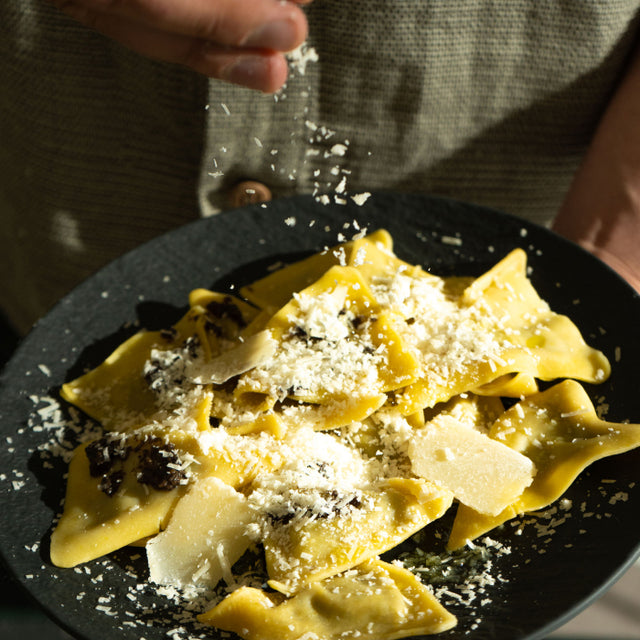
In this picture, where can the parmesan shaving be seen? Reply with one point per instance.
(255, 351)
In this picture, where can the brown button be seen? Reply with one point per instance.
(249, 192)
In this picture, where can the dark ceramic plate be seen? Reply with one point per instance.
(559, 562)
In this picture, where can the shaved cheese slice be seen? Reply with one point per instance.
(481, 472)
(256, 350)
(561, 432)
(205, 537)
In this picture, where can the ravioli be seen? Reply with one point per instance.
(560, 432)
(499, 326)
(335, 408)
(375, 600)
(107, 506)
(371, 523)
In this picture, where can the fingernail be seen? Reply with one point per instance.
(279, 35)
(248, 71)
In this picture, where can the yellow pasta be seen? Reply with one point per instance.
(560, 432)
(338, 309)
(509, 330)
(275, 290)
(390, 599)
(121, 393)
(383, 517)
(106, 505)
(326, 416)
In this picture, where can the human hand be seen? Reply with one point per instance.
(626, 264)
(601, 211)
(239, 41)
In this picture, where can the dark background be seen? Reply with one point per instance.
(19, 619)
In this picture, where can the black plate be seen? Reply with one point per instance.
(552, 572)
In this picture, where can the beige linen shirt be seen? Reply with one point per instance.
(100, 150)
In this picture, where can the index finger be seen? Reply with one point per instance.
(263, 24)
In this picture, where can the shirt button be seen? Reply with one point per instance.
(249, 192)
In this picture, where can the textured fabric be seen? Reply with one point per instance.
(100, 150)
(489, 102)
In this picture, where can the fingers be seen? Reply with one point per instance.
(264, 71)
(240, 41)
(269, 24)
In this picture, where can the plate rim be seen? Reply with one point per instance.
(124, 260)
